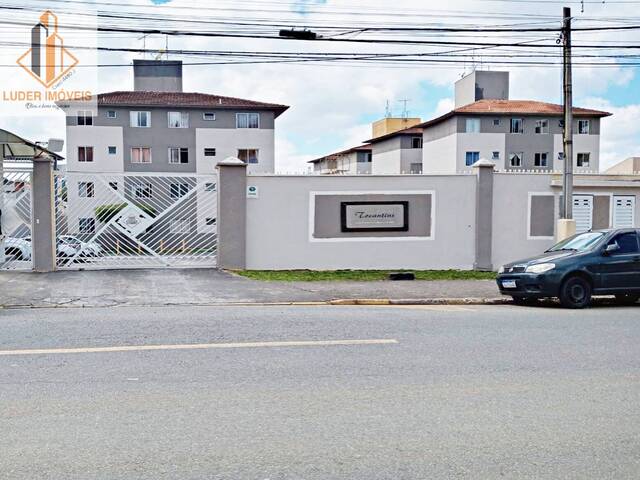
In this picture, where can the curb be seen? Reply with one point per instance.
(335, 302)
(420, 301)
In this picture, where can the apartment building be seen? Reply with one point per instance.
(514, 134)
(352, 161)
(159, 128)
(517, 135)
(397, 152)
(153, 151)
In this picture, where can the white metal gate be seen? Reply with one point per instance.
(135, 220)
(583, 212)
(15, 219)
(623, 211)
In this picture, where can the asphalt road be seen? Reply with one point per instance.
(433, 392)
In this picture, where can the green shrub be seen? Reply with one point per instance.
(104, 213)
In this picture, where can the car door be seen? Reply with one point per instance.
(620, 269)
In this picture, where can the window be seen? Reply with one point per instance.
(85, 154)
(113, 185)
(517, 125)
(248, 155)
(142, 190)
(471, 158)
(209, 116)
(179, 190)
(495, 156)
(415, 168)
(560, 155)
(583, 127)
(111, 114)
(583, 159)
(87, 225)
(85, 117)
(178, 155)
(247, 120)
(178, 119)
(472, 125)
(111, 150)
(141, 155)
(540, 160)
(515, 159)
(210, 221)
(209, 187)
(209, 152)
(416, 142)
(364, 157)
(628, 243)
(180, 225)
(542, 126)
(140, 119)
(86, 189)
(496, 122)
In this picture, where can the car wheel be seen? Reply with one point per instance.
(524, 300)
(627, 298)
(575, 293)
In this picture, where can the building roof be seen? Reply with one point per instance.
(360, 148)
(183, 99)
(416, 130)
(519, 107)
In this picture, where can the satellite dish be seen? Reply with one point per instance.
(55, 145)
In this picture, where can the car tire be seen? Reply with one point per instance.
(627, 298)
(575, 292)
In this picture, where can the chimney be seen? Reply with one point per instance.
(157, 75)
(481, 84)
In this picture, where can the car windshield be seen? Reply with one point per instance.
(580, 242)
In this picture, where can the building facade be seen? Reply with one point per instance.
(150, 130)
(354, 161)
(517, 135)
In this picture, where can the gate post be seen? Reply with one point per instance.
(484, 214)
(43, 224)
(232, 213)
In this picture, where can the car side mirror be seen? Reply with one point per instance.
(611, 248)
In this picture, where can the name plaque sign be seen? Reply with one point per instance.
(374, 216)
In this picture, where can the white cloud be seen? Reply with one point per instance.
(619, 133)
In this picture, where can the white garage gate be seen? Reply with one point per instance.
(135, 220)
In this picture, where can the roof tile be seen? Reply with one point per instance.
(182, 99)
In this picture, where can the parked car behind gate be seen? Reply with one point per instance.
(66, 248)
(602, 262)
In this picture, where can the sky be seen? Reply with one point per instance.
(332, 105)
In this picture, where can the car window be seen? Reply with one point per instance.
(628, 243)
(581, 242)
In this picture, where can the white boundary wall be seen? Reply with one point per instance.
(281, 220)
(280, 224)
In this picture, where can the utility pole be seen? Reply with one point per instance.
(566, 226)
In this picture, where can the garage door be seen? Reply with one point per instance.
(583, 212)
(623, 211)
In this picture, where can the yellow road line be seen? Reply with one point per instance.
(199, 346)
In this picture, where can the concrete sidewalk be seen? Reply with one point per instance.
(209, 287)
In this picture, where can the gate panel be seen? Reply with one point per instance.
(15, 205)
(135, 220)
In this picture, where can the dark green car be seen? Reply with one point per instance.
(601, 262)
